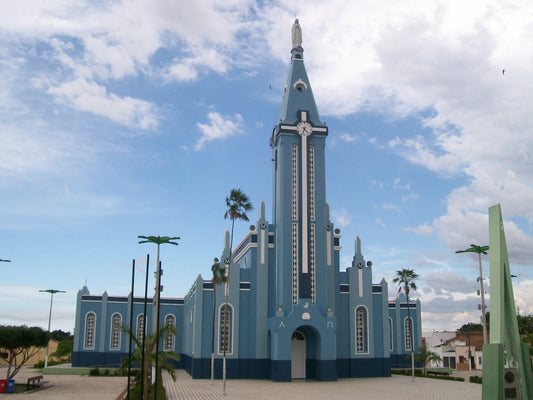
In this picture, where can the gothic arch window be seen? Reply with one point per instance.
(116, 322)
(170, 320)
(391, 336)
(225, 331)
(408, 323)
(361, 330)
(140, 327)
(90, 325)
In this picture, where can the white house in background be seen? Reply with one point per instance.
(434, 342)
(459, 351)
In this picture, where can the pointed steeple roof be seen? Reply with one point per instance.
(297, 94)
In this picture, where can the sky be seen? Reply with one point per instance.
(126, 118)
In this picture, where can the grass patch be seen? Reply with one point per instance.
(65, 371)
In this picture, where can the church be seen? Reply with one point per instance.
(293, 314)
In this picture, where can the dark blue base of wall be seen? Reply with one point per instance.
(364, 367)
(200, 368)
(109, 360)
(403, 361)
(278, 371)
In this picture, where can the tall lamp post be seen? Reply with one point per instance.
(480, 249)
(52, 292)
(159, 240)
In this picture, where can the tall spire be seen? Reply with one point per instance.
(297, 94)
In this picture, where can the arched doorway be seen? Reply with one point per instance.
(297, 355)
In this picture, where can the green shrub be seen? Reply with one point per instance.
(94, 372)
(39, 364)
(476, 379)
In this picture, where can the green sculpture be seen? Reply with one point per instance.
(516, 381)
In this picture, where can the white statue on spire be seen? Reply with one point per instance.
(296, 34)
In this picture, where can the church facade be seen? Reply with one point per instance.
(293, 314)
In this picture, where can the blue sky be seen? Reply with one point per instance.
(120, 119)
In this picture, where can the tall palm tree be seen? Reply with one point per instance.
(406, 280)
(219, 277)
(238, 204)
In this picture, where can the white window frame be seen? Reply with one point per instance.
(366, 339)
(406, 337)
(115, 329)
(231, 327)
(93, 333)
(140, 318)
(170, 335)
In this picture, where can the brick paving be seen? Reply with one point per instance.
(68, 387)
(396, 387)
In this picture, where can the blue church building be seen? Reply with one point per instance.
(293, 314)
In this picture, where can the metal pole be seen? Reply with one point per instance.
(131, 324)
(483, 315)
(156, 303)
(49, 320)
(144, 324)
(157, 328)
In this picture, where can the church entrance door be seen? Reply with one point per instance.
(298, 355)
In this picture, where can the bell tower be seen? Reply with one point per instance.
(299, 193)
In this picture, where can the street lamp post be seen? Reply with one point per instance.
(52, 292)
(480, 249)
(159, 240)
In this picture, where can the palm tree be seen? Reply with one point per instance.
(238, 204)
(405, 278)
(163, 358)
(425, 356)
(219, 277)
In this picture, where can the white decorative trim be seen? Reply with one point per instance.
(301, 83)
(328, 248)
(391, 336)
(360, 273)
(312, 261)
(312, 183)
(295, 263)
(294, 182)
(305, 215)
(264, 240)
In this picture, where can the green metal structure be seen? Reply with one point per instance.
(499, 382)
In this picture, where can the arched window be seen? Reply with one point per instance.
(391, 336)
(170, 320)
(408, 323)
(90, 324)
(116, 322)
(361, 330)
(225, 329)
(140, 327)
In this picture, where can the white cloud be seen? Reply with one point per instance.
(91, 97)
(341, 218)
(422, 230)
(218, 127)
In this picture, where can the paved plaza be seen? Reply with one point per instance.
(68, 387)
